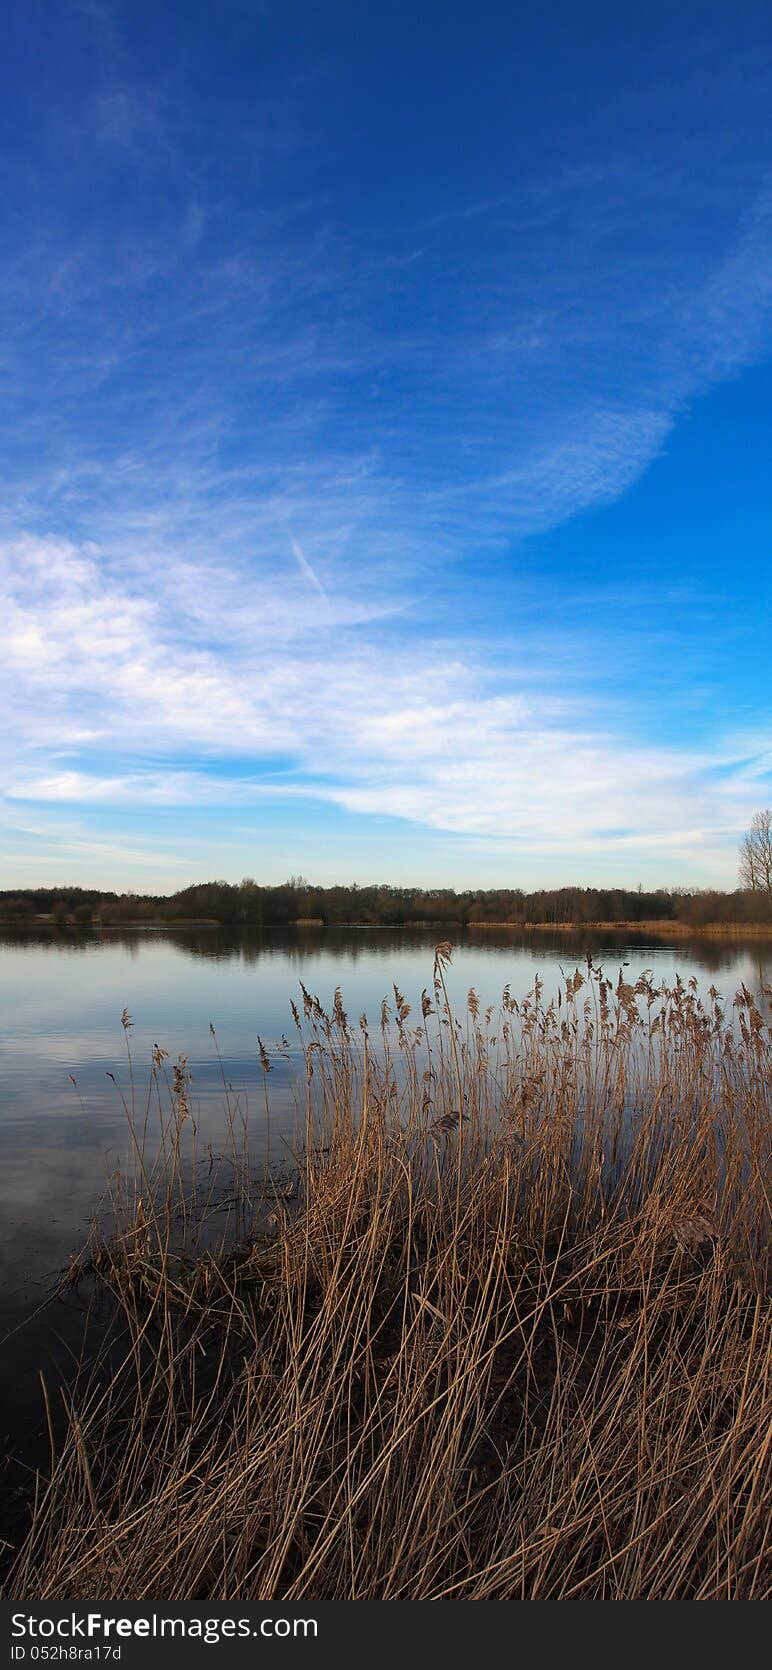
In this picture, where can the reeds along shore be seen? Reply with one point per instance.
(507, 1334)
(658, 928)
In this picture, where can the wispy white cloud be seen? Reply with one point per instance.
(117, 703)
(198, 396)
(532, 399)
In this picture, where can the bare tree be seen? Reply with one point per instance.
(755, 872)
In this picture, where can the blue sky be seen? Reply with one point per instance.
(384, 441)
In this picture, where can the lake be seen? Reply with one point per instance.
(63, 1063)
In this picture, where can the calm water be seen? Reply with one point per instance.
(61, 999)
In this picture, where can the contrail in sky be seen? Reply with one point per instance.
(305, 568)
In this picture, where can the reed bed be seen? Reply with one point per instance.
(504, 1332)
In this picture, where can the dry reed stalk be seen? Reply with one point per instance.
(511, 1339)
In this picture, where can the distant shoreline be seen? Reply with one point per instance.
(665, 928)
(668, 926)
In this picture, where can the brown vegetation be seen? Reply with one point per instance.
(299, 902)
(505, 1334)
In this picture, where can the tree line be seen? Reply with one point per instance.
(248, 904)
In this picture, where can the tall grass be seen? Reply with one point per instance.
(506, 1336)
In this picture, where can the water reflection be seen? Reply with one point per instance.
(303, 944)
